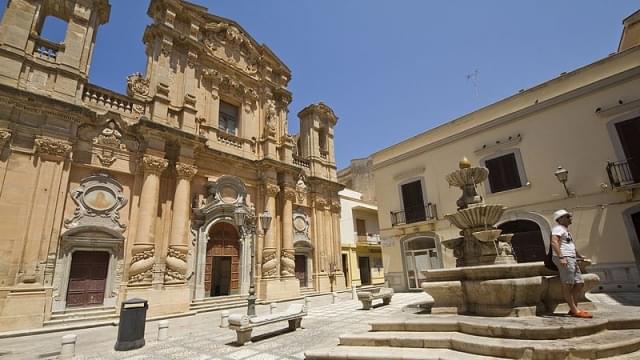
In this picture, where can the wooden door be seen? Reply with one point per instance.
(527, 242)
(345, 270)
(365, 270)
(87, 278)
(223, 243)
(301, 269)
(629, 133)
(413, 202)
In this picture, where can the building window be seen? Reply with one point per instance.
(228, 118)
(54, 29)
(361, 227)
(504, 173)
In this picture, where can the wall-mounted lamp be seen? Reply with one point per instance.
(562, 175)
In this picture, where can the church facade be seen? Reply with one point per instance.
(106, 196)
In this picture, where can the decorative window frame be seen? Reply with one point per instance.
(524, 182)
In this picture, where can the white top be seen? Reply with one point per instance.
(567, 245)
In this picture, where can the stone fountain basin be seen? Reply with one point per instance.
(467, 176)
(477, 216)
(525, 289)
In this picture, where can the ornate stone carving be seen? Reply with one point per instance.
(111, 138)
(185, 171)
(141, 263)
(4, 137)
(235, 41)
(153, 164)
(301, 188)
(287, 263)
(137, 85)
(271, 189)
(335, 207)
(98, 199)
(269, 263)
(53, 147)
(271, 117)
(227, 190)
(176, 263)
(289, 193)
(301, 223)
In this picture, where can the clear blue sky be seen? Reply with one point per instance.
(392, 69)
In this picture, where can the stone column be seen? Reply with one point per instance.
(142, 253)
(51, 170)
(178, 242)
(335, 227)
(269, 256)
(287, 259)
(321, 233)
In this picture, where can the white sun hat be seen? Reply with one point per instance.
(560, 213)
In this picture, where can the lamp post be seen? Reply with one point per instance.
(562, 175)
(240, 216)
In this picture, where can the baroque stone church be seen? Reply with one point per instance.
(106, 196)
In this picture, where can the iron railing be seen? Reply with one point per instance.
(624, 172)
(415, 214)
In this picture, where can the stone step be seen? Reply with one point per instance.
(82, 313)
(219, 299)
(511, 328)
(80, 319)
(603, 344)
(218, 305)
(391, 353)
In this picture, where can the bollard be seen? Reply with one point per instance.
(163, 330)
(224, 319)
(68, 349)
(307, 301)
(272, 308)
(353, 292)
(334, 297)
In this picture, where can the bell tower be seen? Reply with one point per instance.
(31, 62)
(316, 139)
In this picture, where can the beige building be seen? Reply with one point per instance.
(359, 230)
(586, 121)
(106, 196)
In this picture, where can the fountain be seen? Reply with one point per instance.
(487, 280)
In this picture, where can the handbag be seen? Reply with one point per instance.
(548, 260)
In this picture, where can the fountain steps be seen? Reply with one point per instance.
(463, 337)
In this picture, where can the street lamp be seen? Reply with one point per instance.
(240, 215)
(562, 175)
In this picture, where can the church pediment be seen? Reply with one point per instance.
(230, 44)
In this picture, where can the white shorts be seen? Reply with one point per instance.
(570, 274)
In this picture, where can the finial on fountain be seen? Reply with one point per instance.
(464, 163)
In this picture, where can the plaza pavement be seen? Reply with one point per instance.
(200, 337)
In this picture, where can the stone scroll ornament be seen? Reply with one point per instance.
(54, 148)
(141, 263)
(269, 263)
(287, 262)
(110, 138)
(98, 199)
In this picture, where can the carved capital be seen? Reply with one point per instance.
(335, 207)
(56, 148)
(185, 171)
(153, 164)
(289, 193)
(320, 202)
(271, 189)
(5, 135)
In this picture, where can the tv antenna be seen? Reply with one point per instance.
(474, 78)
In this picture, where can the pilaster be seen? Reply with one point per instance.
(287, 259)
(269, 256)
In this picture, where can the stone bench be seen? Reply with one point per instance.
(243, 324)
(367, 297)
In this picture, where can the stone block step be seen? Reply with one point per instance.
(390, 353)
(219, 299)
(85, 313)
(512, 328)
(78, 319)
(200, 308)
(604, 344)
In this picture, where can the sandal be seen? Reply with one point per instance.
(581, 314)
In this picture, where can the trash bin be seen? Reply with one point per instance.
(133, 316)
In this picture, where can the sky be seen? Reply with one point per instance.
(393, 69)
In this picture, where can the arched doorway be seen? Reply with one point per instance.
(420, 255)
(528, 244)
(222, 266)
